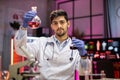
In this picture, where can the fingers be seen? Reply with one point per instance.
(29, 14)
(78, 43)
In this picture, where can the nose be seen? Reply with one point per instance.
(59, 25)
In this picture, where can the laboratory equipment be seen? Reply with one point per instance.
(14, 69)
(15, 73)
(72, 47)
(36, 21)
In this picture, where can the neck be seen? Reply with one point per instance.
(61, 38)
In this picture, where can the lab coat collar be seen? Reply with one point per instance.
(50, 40)
(53, 39)
(57, 41)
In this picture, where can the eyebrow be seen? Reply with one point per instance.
(59, 20)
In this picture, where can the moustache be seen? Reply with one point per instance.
(60, 29)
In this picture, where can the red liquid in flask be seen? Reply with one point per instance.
(34, 25)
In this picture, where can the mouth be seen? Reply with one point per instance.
(59, 29)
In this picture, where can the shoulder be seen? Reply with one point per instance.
(43, 39)
(38, 40)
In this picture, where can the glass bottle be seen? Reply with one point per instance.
(36, 21)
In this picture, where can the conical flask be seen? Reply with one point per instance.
(36, 21)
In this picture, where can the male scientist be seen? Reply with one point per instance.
(56, 59)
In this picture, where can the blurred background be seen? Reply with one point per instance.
(97, 22)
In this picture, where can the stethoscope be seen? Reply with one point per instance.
(44, 53)
(71, 57)
(52, 44)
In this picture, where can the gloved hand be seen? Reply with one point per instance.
(79, 44)
(28, 17)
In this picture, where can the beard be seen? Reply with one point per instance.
(60, 32)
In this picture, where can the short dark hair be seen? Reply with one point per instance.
(57, 13)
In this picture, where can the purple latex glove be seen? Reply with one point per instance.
(28, 17)
(79, 44)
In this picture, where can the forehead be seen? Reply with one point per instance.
(59, 18)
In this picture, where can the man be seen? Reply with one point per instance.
(57, 61)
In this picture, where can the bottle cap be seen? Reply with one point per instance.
(34, 8)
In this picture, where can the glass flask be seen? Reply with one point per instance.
(36, 21)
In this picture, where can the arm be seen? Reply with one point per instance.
(85, 62)
(20, 39)
(85, 67)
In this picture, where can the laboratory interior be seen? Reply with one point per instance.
(96, 22)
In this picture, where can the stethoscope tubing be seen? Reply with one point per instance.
(52, 44)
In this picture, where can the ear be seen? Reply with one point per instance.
(68, 24)
(51, 26)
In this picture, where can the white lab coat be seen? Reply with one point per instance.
(54, 60)
(85, 67)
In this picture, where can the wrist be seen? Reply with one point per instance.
(23, 28)
(84, 55)
(25, 24)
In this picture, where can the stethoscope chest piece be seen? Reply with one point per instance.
(71, 58)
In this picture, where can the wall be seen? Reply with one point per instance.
(1, 32)
(86, 17)
(114, 5)
(6, 30)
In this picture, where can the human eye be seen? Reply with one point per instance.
(62, 22)
(54, 23)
